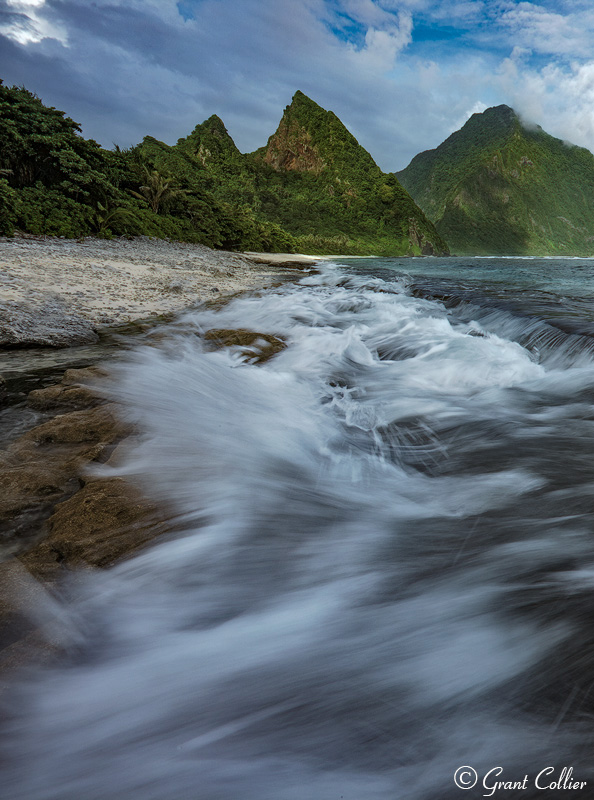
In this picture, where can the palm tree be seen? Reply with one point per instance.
(157, 189)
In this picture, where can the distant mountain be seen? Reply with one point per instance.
(312, 180)
(500, 187)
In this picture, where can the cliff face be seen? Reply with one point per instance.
(312, 187)
(499, 187)
(338, 191)
(291, 148)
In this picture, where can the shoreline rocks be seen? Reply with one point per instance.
(50, 324)
(57, 515)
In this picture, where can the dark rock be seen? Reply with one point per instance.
(97, 425)
(69, 394)
(103, 522)
(259, 346)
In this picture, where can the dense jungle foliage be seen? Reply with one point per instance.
(54, 181)
(334, 199)
(499, 187)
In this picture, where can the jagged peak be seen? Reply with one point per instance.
(211, 133)
(214, 124)
(310, 138)
(306, 110)
(301, 99)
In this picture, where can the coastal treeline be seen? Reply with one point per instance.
(313, 188)
(54, 181)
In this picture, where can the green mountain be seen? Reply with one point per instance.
(312, 188)
(500, 187)
(328, 192)
(313, 181)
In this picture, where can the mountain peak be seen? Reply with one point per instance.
(501, 186)
(494, 120)
(311, 139)
(215, 122)
(500, 111)
(299, 140)
(214, 126)
(301, 100)
(209, 141)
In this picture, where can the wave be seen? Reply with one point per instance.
(384, 570)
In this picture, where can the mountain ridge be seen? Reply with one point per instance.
(499, 186)
(313, 180)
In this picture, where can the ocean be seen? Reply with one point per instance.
(382, 584)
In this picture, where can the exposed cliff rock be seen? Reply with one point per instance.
(291, 148)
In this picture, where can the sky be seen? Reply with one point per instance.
(401, 74)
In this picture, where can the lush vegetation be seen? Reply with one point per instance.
(332, 199)
(498, 187)
(54, 181)
(316, 182)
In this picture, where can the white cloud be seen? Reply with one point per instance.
(559, 98)
(534, 27)
(27, 23)
(136, 67)
(383, 46)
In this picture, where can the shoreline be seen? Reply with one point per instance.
(59, 515)
(64, 292)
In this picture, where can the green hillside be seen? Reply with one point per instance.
(325, 189)
(54, 181)
(499, 187)
(313, 188)
(312, 180)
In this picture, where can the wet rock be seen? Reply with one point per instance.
(62, 397)
(259, 346)
(103, 522)
(49, 324)
(44, 466)
(69, 393)
(97, 425)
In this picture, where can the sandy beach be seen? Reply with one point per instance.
(61, 291)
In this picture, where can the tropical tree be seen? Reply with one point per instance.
(158, 189)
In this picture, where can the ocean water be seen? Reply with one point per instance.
(384, 565)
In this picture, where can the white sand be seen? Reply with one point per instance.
(114, 282)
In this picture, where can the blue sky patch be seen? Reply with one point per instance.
(186, 9)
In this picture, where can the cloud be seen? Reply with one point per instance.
(401, 74)
(24, 22)
(558, 97)
(544, 31)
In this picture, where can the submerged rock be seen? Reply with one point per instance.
(44, 466)
(260, 346)
(54, 516)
